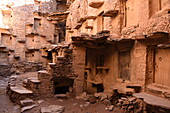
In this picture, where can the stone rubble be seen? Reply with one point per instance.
(111, 49)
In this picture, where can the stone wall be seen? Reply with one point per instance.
(5, 70)
(140, 22)
(25, 31)
(78, 68)
(63, 66)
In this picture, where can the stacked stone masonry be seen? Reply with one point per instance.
(94, 46)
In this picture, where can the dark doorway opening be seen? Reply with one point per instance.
(62, 86)
(61, 90)
(49, 56)
(99, 87)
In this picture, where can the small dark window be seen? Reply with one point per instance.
(99, 87)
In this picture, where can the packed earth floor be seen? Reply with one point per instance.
(71, 105)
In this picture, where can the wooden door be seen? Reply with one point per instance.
(162, 67)
(124, 65)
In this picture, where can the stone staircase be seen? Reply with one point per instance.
(30, 87)
(40, 85)
(128, 89)
(18, 93)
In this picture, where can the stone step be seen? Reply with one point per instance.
(34, 80)
(43, 71)
(154, 100)
(61, 96)
(43, 74)
(53, 109)
(123, 90)
(21, 90)
(126, 91)
(26, 102)
(26, 108)
(136, 87)
(18, 93)
(52, 64)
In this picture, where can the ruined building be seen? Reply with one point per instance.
(89, 45)
(25, 29)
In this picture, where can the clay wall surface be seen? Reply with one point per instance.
(78, 68)
(5, 70)
(127, 23)
(111, 42)
(124, 20)
(25, 27)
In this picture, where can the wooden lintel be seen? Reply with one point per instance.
(158, 35)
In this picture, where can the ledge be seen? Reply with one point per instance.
(159, 90)
(78, 26)
(4, 27)
(110, 13)
(21, 90)
(2, 46)
(31, 48)
(153, 100)
(21, 40)
(29, 34)
(70, 31)
(82, 19)
(52, 64)
(96, 4)
(154, 35)
(68, 28)
(89, 27)
(163, 46)
(43, 71)
(91, 17)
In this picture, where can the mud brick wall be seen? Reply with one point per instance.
(5, 70)
(27, 67)
(45, 88)
(30, 67)
(78, 68)
(63, 67)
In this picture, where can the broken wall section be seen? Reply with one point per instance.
(63, 63)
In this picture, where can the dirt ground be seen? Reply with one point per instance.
(72, 105)
(6, 106)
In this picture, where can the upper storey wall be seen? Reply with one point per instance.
(125, 18)
(25, 20)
